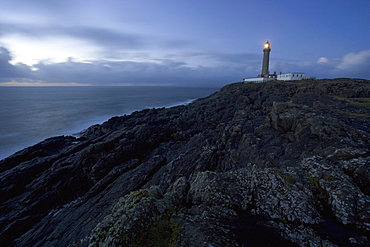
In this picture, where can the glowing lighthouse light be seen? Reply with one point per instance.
(265, 62)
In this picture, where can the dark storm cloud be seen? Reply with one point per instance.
(4, 56)
(8, 71)
(133, 73)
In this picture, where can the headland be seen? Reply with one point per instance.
(266, 164)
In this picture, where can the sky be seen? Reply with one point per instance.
(179, 43)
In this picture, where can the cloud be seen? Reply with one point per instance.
(4, 55)
(165, 72)
(9, 71)
(323, 60)
(243, 62)
(31, 43)
(355, 60)
(104, 37)
(354, 64)
(172, 69)
(100, 36)
(223, 56)
(159, 71)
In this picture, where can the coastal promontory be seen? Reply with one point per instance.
(254, 164)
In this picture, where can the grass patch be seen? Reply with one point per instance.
(290, 179)
(278, 171)
(330, 178)
(362, 102)
(355, 114)
(314, 182)
(163, 233)
(318, 193)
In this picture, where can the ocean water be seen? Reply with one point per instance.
(29, 115)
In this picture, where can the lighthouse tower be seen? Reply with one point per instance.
(265, 75)
(266, 58)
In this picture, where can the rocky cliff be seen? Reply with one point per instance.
(274, 164)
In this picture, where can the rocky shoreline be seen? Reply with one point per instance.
(272, 164)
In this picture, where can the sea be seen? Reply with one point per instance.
(29, 115)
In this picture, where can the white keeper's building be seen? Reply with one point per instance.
(293, 77)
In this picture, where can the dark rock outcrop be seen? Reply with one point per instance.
(275, 164)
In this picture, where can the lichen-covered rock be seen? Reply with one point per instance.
(302, 235)
(346, 201)
(205, 208)
(141, 218)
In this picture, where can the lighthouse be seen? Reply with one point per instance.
(266, 59)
